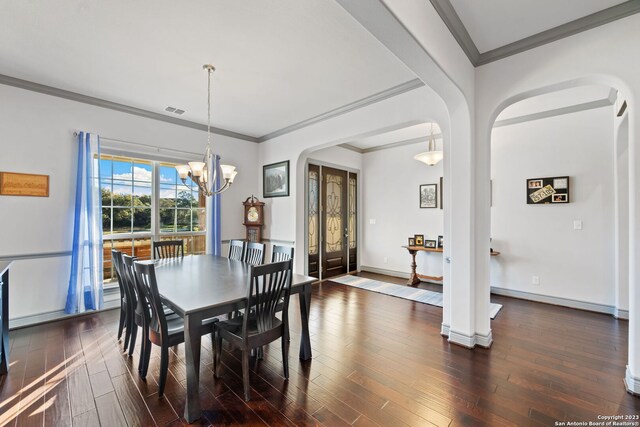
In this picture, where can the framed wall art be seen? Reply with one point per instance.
(275, 179)
(419, 238)
(429, 196)
(542, 191)
(411, 241)
(24, 184)
(430, 244)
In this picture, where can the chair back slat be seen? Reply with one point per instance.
(236, 250)
(147, 284)
(116, 260)
(140, 299)
(254, 253)
(168, 249)
(269, 285)
(281, 253)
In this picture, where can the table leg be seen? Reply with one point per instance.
(305, 305)
(413, 279)
(192, 324)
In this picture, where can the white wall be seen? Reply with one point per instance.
(539, 240)
(36, 136)
(390, 184)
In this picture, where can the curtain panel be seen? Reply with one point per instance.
(85, 281)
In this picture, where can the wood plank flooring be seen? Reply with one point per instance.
(378, 361)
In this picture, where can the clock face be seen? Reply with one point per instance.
(252, 214)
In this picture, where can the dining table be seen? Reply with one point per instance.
(198, 287)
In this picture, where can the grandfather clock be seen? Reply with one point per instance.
(253, 218)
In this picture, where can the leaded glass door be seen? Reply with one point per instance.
(334, 209)
(313, 221)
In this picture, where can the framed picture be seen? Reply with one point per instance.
(412, 241)
(24, 184)
(275, 179)
(542, 191)
(430, 244)
(441, 187)
(429, 196)
(419, 239)
(440, 241)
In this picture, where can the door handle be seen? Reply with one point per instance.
(447, 259)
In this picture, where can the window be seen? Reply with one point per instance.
(137, 210)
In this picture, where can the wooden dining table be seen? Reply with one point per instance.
(198, 287)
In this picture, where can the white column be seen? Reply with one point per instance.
(632, 377)
(621, 216)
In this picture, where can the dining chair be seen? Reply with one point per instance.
(168, 249)
(281, 253)
(124, 322)
(236, 250)
(268, 284)
(162, 331)
(254, 253)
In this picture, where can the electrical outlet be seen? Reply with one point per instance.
(372, 221)
(385, 260)
(577, 224)
(535, 280)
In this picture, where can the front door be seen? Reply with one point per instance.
(335, 252)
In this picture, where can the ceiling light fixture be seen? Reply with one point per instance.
(205, 173)
(431, 156)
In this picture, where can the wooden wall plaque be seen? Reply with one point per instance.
(24, 184)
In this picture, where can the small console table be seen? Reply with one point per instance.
(414, 279)
(4, 316)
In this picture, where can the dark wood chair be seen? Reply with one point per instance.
(168, 249)
(125, 306)
(236, 250)
(162, 332)
(268, 285)
(281, 253)
(254, 253)
(141, 315)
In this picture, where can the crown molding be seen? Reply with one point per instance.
(372, 99)
(555, 112)
(98, 102)
(453, 22)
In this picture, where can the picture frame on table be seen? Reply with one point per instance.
(440, 241)
(431, 244)
(275, 179)
(411, 241)
(419, 239)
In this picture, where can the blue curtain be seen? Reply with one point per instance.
(214, 230)
(85, 282)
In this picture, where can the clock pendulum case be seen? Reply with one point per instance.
(253, 219)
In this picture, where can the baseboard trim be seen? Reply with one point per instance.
(621, 314)
(462, 339)
(564, 302)
(377, 270)
(444, 330)
(631, 383)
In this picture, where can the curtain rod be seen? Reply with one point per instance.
(158, 149)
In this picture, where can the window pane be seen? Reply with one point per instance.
(121, 220)
(184, 197)
(123, 245)
(168, 175)
(167, 220)
(106, 220)
(105, 190)
(121, 193)
(142, 194)
(142, 172)
(142, 249)
(105, 168)
(199, 245)
(107, 265)
(141, 219)
(183, 220)
(123, 170)
(199, 218)
(195, 200)
(167, 196)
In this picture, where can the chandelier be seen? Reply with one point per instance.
(205, 173)
(431, 156)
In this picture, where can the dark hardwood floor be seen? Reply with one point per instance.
(378, 360)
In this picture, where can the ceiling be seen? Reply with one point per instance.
(281, 64)
(495, 23)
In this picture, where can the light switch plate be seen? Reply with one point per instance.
(577, 224)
